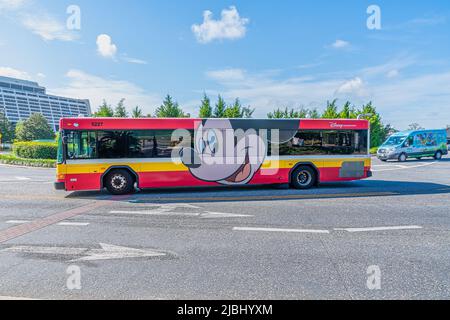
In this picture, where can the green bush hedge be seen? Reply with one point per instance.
(35, 150)
(13, 160)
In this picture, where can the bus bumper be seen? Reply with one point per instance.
(60, 185)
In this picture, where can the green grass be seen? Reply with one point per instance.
(13, 160)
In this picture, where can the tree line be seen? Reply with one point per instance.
(221, 109)
(36, 127)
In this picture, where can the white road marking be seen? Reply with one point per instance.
(22, 178)
(203, 215)
(67, 224)
(107, 252)
(212, 215)
(5, 298)
(402, 167)
(379, 228)
(280, 230)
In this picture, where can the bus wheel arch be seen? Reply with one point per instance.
(315, 172)
(124, 173)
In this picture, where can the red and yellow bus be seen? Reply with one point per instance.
(124, 155)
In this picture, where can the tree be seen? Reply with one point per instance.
(6, 129)
(415, 126)
(170, 109)
(137, 113)
(289, 113)
(331, 110)
(234, 111)
(36, 127)
(219, 110)
(104, 111)
(347, 112)
(313, 114)
(247, 112)
(377, 129)
(120, 111)
(205, 109)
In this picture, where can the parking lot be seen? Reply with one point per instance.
(247, 243)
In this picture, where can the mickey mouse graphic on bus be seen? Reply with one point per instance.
(228, 152)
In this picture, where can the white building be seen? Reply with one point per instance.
(20, 98)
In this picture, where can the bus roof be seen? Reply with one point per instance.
(190, 123)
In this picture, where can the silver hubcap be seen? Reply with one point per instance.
(304, 178)
(438, 155)
(402, 158)
(118, 182)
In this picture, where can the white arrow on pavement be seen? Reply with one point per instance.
(107, 252)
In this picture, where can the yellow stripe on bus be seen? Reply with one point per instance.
(179, 167)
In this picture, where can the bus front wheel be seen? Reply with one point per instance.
(119, 182)
(303, 177)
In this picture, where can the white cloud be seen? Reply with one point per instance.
(353, 87)
(14, 73)
(226, 75)
(12, 4)
(134, 60)
(105, 47)
(37, 20)
(231, 26)
(340, 44)
(393, 73)
(83, 85)
(48, 27)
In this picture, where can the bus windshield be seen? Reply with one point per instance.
(395, 141)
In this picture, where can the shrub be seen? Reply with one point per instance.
(35, 150)
(13, 160)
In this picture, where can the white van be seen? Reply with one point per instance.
(414, 144)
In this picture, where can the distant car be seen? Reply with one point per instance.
(414, 144)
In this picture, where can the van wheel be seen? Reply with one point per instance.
(119, 182)
(303, 178)
(402, 157)
(438, 155)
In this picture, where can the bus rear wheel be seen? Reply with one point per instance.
(303, 177)
(119, 182)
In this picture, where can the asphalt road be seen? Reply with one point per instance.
(249, 243)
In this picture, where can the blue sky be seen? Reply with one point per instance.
(267, 53)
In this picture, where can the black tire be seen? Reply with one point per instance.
(303, 177)
(438, 155)
(402, 157)
(383, 160)
(119, 182)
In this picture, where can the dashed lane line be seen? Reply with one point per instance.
(319, 231)
(370, 229)
(280, 230)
